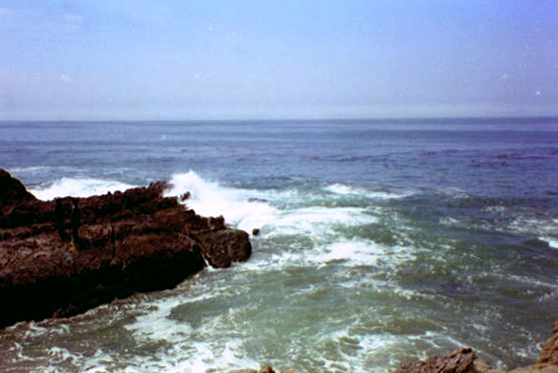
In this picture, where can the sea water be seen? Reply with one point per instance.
(381, 242)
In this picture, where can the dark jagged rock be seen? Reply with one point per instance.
(62, 257)
(12, 191)
(549, 353)
(459, 361)
(220, 248)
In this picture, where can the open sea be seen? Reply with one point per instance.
(382, 242)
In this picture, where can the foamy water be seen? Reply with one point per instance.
(78, 188)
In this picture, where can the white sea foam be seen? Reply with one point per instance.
(375, 352)
(346, 190)
(156, 324)
(544, 227)
(320, 224)
(185, 357)
(373, 347)
(188, 353)
(210, 199)
(249, 209)
(360, 252)
(75, 187)
(319, 221)
(552, 242)
(356, 251)
(204, 357)
(62, 354)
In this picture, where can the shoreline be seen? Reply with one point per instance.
(60, 258)
(463, 360)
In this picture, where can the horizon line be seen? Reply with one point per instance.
(292, 119)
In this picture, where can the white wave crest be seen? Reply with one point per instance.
(211, 199)
(76, 187)
(346, 190)
(552, 242)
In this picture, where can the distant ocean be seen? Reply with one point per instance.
(382, 242)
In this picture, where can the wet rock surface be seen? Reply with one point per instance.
(549, 353)
(62, 257)
(463, 361)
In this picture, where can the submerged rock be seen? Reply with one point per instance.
(62, 257)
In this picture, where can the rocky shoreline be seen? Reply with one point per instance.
(466, 360)
(463, 360)
(60, 258)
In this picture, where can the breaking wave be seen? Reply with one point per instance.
(76, 187)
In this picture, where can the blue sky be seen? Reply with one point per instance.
(222, 59)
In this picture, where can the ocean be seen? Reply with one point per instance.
(382, 242)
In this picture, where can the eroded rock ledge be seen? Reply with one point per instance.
(62, 257)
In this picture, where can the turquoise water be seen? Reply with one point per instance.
(381, 242)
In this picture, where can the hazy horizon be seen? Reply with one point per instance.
(219, 60)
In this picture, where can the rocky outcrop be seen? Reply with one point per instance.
(466, 361)
(62, 257)
(462, 361)
(549, 353)
(12, 190)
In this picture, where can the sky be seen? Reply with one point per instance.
(276, 59)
